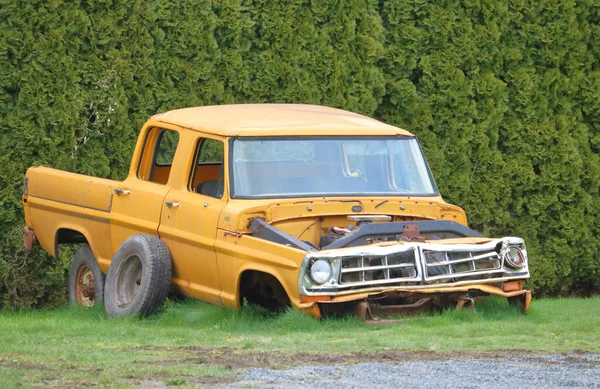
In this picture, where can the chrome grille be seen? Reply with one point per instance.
(463, 265)
(379, 269)
(413, 266)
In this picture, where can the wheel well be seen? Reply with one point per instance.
(262, 289)
(67, 236)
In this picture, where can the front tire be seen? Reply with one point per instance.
(86, 280)
(139, 277)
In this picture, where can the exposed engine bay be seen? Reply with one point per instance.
(365, 230)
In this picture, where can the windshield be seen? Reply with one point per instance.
(303, 167)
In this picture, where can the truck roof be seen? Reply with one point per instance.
(276, 120)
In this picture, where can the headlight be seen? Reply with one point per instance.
(321, 271)
(514, 257)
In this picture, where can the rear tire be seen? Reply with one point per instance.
(86, 280)
(138, 279)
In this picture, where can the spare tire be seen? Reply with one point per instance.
(86, 280)
(138, 279)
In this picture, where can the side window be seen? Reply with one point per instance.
(206, 175)
(211, 151)
(157, 155)
(167, 144)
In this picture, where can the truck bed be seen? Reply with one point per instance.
(61, 201)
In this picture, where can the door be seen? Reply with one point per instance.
(137, 202)
(189, 218)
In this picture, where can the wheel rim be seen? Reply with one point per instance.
(128, 281)
(85, 286)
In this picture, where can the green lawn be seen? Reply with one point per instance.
(192, 343)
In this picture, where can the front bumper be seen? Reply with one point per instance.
(373, 306)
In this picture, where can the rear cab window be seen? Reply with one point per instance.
(157, 155)
(206, 175)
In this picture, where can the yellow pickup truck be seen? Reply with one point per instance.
(275, 205)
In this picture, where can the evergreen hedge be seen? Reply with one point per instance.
(505, 98)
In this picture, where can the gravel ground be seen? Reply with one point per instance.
(528, 371)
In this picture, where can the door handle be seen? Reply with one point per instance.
(120, 191)
(171, 204)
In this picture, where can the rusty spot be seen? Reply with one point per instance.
(378, 314)
(257, 229)
(411, 230)
(85, 286)
(465, 302)
(28, 238)
(522, 301)
(411, 233)
(422, 305)
(234, 234)
(363, 311)
(512, 286)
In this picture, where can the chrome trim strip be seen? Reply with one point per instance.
(464, 274)
(373, 268)
(334, 292)
(471, 259)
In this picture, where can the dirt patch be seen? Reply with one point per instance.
(25, 366)
(63, 384)
(240, 359)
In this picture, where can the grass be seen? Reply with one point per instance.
(72, 347)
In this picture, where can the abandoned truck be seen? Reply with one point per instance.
(275, 205)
